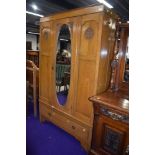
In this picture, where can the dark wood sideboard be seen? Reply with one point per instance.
(111, 123)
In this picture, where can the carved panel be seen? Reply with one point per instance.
(89, 33)
(45, 40)
(115, 116)
(46, 34)
(89, 36)
(112, 140)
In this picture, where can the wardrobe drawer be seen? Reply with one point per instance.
(79, 131)
(60, 121)
(68, 124)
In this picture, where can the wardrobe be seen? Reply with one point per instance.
(90, 40)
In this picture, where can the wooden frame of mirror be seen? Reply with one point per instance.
(119, 58)
(62, 65)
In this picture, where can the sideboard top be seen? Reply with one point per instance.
(77, 12)
(118, 100)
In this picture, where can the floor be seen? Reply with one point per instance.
(48, 139)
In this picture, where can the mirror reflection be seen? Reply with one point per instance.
(63, 64)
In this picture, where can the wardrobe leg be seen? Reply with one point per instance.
(42, 119)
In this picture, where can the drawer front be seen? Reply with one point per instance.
(79, 131)
(114, 115)
(72, 127)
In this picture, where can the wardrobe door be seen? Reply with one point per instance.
(44, 67)
(63, 64)
(89, 50)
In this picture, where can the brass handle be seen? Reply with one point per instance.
(114, 116)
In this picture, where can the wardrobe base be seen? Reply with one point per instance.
(79, 130)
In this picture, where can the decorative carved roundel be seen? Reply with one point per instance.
(46, 35)
(46, 32)
(89, 33)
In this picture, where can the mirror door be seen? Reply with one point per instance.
(63, 64)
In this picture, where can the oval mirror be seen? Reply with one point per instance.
(63, 64)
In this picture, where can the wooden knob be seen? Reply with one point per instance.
(73, 127)
(83, 129)
(49, 114)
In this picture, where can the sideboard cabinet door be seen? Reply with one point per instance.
(109, 136)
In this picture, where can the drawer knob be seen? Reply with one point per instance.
(73, 127)
(83, 129)
(49, 114)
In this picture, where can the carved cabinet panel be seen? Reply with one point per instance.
(88, 62)
(44, 65)
(90, 27)
(112, 139)
(109, 136)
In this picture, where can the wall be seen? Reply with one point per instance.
(33, 39)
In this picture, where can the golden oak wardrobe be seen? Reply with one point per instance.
(92, 32)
